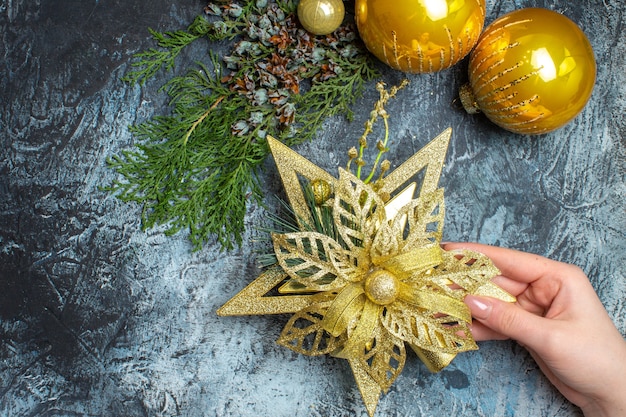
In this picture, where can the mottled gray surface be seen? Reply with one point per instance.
(100, 318)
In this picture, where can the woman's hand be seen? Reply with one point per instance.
(560, 320)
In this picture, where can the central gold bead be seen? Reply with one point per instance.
(381, 287)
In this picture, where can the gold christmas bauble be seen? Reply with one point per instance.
(533, 70)
(321, 17)
(420, 36)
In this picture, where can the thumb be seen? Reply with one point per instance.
(508, 319)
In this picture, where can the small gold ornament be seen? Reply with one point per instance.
(420, 36)
(321, 191)
(533, 70)
(321, 17)
(380, 282)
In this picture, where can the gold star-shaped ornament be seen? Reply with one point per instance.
(379, 281)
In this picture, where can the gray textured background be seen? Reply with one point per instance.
(100, 318)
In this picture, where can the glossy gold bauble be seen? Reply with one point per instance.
(420, 36)
(533, 70)
(321, 17)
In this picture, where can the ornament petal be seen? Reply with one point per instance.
(431, 158)
(383, 357)
(410, 243)
(385, 245)
(489, 289)
(291, 166)
(257, 297)
(428, 329)
(386, 241)
(463, 272)
(350, 265)
(369, 388)
(358, 211)
(305, 334)
(425, 220)
(307, 258)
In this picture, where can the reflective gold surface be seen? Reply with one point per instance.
(321, 17)
(532, 71)
(420, 36)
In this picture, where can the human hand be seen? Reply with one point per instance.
(560, 320)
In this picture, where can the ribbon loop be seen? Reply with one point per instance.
(358, 341)
(435, 301)
(417, 259)
(346, 307)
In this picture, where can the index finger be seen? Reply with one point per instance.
(516, 265)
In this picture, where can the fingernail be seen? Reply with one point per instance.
(480, 308)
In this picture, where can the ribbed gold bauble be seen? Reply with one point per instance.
(321, 17)
(420, 36)
(533, 70)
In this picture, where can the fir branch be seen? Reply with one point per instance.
(149, 62)
(195, 169)
(332, 97)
